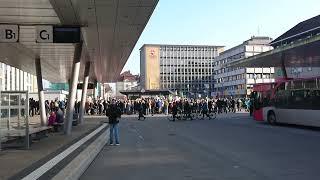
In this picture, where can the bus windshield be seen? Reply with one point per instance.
(262, 95)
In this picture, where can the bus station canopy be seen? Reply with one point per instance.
(151, 92)
(297, 47)
(109, 32)
(302, 53)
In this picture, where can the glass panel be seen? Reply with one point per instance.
(4, 99)
(4, 113)
(14, 100)
(14, 113)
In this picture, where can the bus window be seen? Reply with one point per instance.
(297, 85)
(298, 97)
(266, 98)
(281, 99)
(282, 86)
(315, 96)
(310, 84)
(256, 96)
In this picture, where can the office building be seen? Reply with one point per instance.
(238, 81)
(186, 69)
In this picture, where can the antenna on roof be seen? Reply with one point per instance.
(258, 30)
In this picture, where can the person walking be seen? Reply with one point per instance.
(114, 113)
(142, 110)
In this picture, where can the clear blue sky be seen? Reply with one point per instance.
(220, 22)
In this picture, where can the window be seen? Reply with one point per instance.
(258, 76)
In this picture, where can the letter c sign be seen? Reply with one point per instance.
(44, 34)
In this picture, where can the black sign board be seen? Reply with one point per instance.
(90, 86)
(66, 34)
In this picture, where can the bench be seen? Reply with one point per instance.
(57, 127)
(35, 133)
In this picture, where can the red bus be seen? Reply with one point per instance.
(293, 101)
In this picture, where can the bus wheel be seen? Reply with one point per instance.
(272, 118)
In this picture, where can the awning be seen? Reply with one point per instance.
(303, 53)
(109, 29)
(146, 92)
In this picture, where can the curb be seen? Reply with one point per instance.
(78, 166)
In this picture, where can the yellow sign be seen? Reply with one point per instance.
(152, 76)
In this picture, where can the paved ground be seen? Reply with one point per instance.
(15, 160)
(231, 147)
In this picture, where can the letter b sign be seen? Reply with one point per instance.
(9, 33)
(44, 34)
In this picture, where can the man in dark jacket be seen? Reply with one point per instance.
(114, 112)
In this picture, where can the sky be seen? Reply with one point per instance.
(219, 22)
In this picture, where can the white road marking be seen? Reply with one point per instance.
(50, 164)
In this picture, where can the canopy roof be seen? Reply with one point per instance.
(304, 53)
(308, 27)
(109, 29)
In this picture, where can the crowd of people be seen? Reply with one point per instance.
(55, 109)
(151, 106)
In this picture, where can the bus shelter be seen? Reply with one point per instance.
(14, 119)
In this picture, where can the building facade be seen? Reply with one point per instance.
(127, 81)
(186, 69)
(13, 79)
(238, 81)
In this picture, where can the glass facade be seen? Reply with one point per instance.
(187, 69)
(13, 79)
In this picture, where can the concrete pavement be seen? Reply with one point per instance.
(17, 163)
(230, 147)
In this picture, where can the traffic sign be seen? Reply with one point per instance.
(9, 33)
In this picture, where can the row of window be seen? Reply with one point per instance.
(175, 71)
(229, 59)
(298, 99)
(182, 63)
(246, 76)
(231, 78)
(260, 76)
(187, 57)
(179, 78)
(185, 66)
(234, 87)
(186, 88)
(188, 54)
(188, 48)
(225, 70)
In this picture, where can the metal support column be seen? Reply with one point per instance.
(73, 88)
(84, 91)
(43, 116)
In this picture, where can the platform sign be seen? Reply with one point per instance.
(66, 34)
(44, 34)
(9, 33)
(58, 34)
